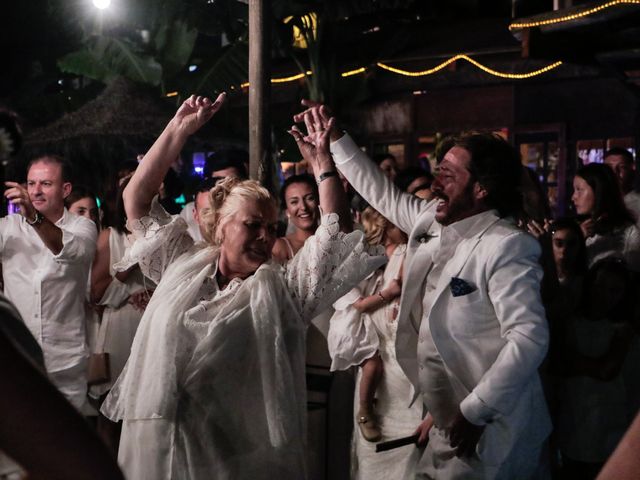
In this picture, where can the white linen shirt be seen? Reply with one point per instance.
(49, 290)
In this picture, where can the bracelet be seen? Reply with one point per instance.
(325, 175)
(382, 296)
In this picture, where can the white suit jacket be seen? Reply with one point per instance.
(491, 340)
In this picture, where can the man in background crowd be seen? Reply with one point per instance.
(621, 162)
(46, 254)
(219, 165)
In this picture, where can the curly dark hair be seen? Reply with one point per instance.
(495, 164)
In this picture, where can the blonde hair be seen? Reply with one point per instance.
(226, 198)
(375, 226)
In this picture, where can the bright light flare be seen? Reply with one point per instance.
(101, 4)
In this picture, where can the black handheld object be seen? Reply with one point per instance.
(398, 442)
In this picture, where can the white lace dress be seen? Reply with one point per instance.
(214, 386)
(355, 337)
(120, 319)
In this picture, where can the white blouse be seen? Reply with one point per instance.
(227, 366)
(623, 243)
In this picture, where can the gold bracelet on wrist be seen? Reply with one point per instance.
(382, 296)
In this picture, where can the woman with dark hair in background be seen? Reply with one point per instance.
(84, 203)
(609, 228)
(299, 198)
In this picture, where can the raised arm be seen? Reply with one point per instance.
(399, 207)
(100, 276)
(314, 147)
(145, 182)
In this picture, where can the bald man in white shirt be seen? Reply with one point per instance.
(46, 254)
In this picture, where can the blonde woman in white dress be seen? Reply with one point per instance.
(214, 386)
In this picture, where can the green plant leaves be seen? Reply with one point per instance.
(174, 43)
(108, 57)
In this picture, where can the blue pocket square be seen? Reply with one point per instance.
(460, 287)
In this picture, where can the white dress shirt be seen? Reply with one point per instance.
(192, 226)
(48, 290)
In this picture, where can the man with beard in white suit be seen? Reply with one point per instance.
(472, 330)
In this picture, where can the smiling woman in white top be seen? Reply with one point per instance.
(299, 197)
(215, 384)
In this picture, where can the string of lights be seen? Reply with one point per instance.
(291, 78)
(573, 16)
(491, 71)
(421, 73)
(353, 72)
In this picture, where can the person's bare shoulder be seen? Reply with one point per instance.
(280, 252)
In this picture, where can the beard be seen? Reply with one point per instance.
(463, 206)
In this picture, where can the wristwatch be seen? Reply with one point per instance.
(37, 219)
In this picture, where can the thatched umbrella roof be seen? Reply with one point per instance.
(123, 109)
(121, 122)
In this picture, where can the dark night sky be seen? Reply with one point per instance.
(29, 33)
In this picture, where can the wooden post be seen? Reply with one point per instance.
(259, 92)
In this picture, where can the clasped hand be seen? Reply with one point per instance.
(314, 146)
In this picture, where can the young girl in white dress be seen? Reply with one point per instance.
(363, 332)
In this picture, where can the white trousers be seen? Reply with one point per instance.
(439, 462)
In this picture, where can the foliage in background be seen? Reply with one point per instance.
(153, 41)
